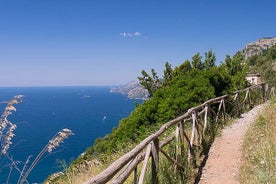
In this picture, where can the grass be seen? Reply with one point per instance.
(7, 132)
(167, 172)
(259, 150)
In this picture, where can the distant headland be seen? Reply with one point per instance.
(133, 90)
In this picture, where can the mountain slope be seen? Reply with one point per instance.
(258, 47)
(133, 89)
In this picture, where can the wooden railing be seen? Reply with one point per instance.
(189, 130)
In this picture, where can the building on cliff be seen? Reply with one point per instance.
(254, 78)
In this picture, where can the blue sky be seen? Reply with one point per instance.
(109, 42)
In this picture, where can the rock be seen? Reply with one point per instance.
(133, 90)
(258, 47)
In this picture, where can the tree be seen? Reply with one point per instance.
(156, 80)
(150, 82)
(196, 62)
(182, 69)
(210, 59)
(168, 74)
(237, 69)
(235, 64)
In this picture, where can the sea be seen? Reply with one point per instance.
(89, 112)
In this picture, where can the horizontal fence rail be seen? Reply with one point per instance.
(197, 120)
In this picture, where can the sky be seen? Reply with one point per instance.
(109, 42)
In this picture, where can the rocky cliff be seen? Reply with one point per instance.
(132, 89)
(258, 47)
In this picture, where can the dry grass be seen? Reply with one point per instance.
(81, 172)
(52, 144)
(7, 129)
(259, 150)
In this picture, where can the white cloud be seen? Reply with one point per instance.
(137, 34)
(128, 35)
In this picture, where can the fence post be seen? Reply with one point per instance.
(239, 104)
(245, 99)
(272, 91)
(182, 139)
(194, 129)
(144, 167)
(135, 179)
(177, 141)
(205, 118)
(219, 109)
(264, 91)
(155, 160)
(224, 109)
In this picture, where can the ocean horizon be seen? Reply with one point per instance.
(89, 111)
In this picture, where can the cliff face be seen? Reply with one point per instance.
(133, 90)
(258, 47)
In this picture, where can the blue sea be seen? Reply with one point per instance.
(90, 112)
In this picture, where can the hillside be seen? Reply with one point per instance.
(258, 47)
(264, 64)
(187, 85)
(133, 90)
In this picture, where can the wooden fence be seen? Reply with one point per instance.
(189, 130)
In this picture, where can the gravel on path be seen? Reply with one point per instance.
(225, 154)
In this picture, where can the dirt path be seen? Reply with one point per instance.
(225, 154)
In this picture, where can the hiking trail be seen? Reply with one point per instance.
(225, 155)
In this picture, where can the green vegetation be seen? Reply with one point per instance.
(185, 86)
(180, 88)
(265, 65)
(259, 150)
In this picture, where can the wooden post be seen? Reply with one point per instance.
(155, 160)
(192, 136)
(144, 168)
(235, 97)
(205, 117)
(190, 151)
(182, 136)
(264, 89)
(177, 141)
(264, 92)
(193, 129)
(198, 135)
(245, 98)
(272, 91)
(224, 109)
(251, 105)
(220, 105)
(135, 179)
(239, 104)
